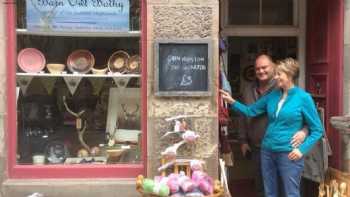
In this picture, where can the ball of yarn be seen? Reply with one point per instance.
(148, 185)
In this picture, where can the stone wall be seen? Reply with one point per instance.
(2, 92)
(183, 20)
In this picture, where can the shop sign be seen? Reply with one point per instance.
(183, 68)
(77, 15)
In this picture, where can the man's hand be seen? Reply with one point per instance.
(298, 138)
(245, 148)
(295, 154)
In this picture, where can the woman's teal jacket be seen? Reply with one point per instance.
(297, 110)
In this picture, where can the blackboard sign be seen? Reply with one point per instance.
(183, 68)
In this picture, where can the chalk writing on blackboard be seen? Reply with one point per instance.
(182, 67)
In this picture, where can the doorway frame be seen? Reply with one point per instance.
(298, 30)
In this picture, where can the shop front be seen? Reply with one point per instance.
(89, 88)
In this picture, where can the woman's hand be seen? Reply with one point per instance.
(227, 97)
(295, 154)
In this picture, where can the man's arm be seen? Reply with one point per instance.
(243, 135)
(299, 137)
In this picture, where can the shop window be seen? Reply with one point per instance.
(260, 12)
(78, 92)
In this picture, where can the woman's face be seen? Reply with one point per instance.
(283, 80)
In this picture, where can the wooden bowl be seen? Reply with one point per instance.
(54, 68)
(134, 64)
(113, 155)
(118, 62)
(80, 61)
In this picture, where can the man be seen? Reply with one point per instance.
(252, 130)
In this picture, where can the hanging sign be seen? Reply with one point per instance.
(183, 68)
(78, 15)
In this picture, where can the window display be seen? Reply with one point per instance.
(79, 99)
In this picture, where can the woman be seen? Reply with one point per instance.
(288, 108)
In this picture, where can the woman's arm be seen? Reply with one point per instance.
(255, 109)
(313, 122)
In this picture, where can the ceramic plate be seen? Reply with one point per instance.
(31, 60)
(80, 61)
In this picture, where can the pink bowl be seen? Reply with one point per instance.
(80, 61)
(31, 60)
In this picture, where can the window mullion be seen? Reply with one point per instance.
(260, 12)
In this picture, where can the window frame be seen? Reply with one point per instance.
(297, 30)
(15, 170)
(224, 7)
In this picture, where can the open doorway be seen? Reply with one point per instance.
(251, 27)
(241, 54)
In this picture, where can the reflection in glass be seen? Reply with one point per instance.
(260, 12)
(243, 12)
(277, 12)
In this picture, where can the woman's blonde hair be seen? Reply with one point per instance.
(289, 66)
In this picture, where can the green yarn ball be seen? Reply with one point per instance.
(148, 185)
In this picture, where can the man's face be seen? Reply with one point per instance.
(263, 69)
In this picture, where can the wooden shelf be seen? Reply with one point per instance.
(108, 75)
(79, 34)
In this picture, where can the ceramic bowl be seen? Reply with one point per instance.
(118, 62)
(114, 154)
(38, 159)
(31, 60)
(99, 71)
(80, 61)
(55, 68)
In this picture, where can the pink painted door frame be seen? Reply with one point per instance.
(324, 63)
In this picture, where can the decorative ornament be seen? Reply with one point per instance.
(72, 83)
(121, 82)
(97, 84)
(24, 82)
(48, 83)
(249, 73)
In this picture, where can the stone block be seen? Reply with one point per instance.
(69, 188)
(347, 26)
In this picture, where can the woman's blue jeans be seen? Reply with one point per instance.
(274, 163)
